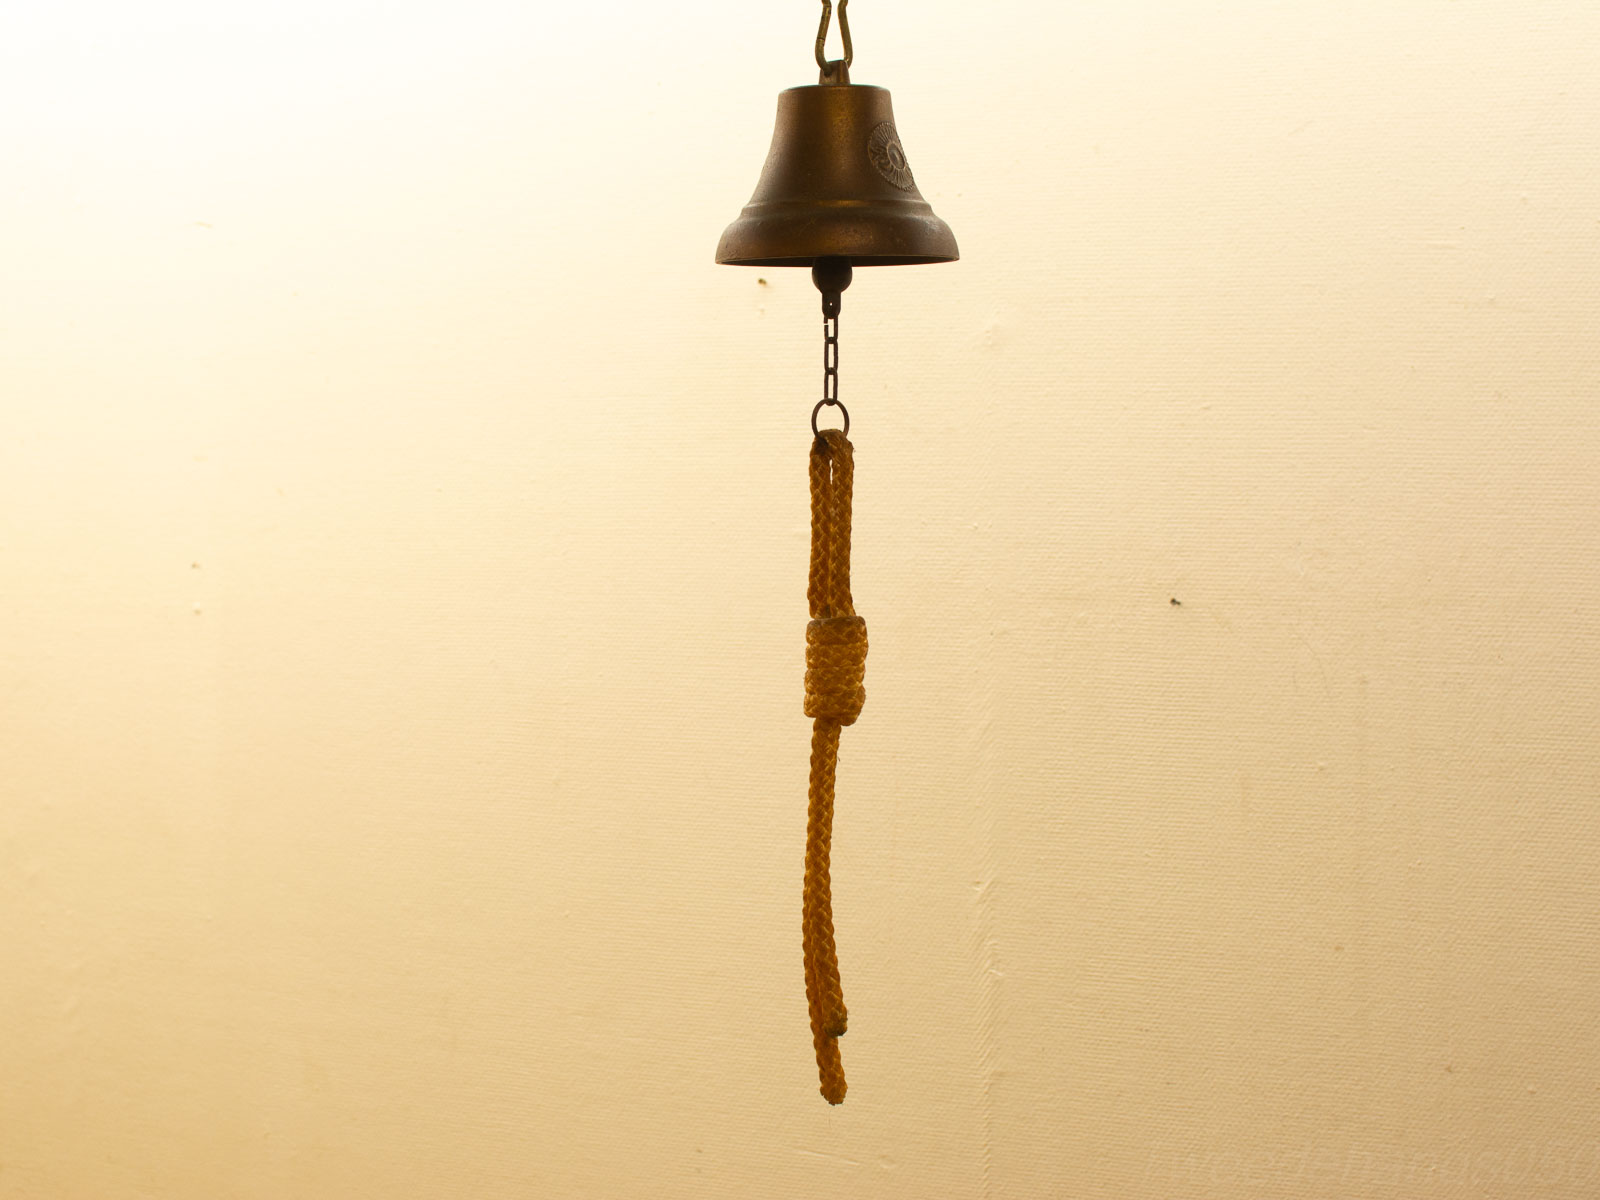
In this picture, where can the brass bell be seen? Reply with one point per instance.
(836, 193)
(836, 185)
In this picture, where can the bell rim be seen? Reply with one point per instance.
(862, 260)
(768, 237)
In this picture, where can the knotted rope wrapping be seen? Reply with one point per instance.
(836, 659)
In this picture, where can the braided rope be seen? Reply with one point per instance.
(836, 659)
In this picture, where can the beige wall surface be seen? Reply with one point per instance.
(402, 590)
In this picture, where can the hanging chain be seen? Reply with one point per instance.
(832, 276)
(830, 370)
(830, 359)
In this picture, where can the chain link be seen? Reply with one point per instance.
(830, 360)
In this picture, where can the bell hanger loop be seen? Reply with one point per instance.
(837, 70)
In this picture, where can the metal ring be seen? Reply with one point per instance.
(830, 404)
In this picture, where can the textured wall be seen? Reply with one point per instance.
(401, 600)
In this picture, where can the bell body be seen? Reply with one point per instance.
(836, 185)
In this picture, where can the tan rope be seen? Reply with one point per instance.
(836, 660)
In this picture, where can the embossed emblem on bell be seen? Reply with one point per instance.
(836, 183)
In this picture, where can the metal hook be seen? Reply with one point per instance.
(844, 32)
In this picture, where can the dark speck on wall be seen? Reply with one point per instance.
(1176, 603)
